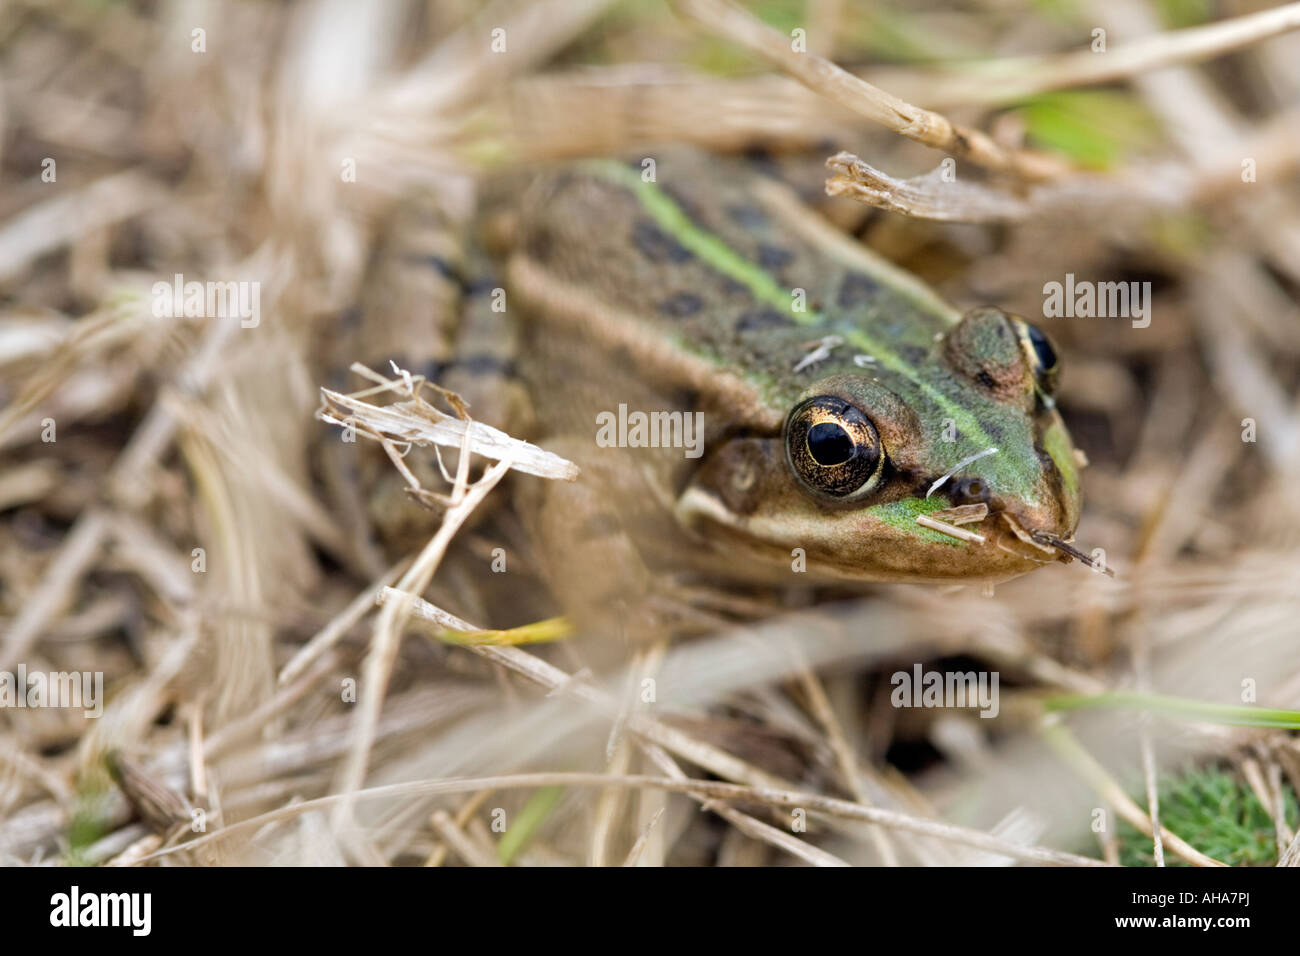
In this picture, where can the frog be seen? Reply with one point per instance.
(826, 417)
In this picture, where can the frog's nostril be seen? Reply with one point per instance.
(971, 491)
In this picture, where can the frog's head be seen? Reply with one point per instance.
(864, 453)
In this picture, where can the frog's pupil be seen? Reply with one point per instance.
(1042, 348)
(829, 444)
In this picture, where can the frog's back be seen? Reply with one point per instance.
(722, 267)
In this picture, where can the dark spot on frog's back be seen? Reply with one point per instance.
(475, 365)
(760, 159)
(681, 304)
(856, 289)
(483, 363)
(756, 319)
(774, 257)
(482, 285)
(656, 245)
(439, 265)
(985, 379)
(748, 217)
(731, 287)
(911, 354)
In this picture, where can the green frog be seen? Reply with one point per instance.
(752, 394)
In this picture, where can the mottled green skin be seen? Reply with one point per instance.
(686, 284)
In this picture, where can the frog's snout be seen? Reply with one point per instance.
(1053, 515)
(1055, 512)
(1035, 524)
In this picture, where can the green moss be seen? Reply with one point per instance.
(1215, 811)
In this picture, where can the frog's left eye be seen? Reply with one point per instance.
(1039, 353)
(833, 447)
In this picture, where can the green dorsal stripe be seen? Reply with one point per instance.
(672, 219)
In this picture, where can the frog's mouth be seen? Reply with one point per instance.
(867, 545)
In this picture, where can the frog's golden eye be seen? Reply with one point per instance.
(833, 447)
(1039, 353)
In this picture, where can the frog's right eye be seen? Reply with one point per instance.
(833, 448)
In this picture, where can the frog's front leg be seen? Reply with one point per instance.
(588, 537)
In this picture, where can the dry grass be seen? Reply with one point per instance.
(267, 664)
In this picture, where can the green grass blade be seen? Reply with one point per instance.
(1237, 715)
(532, 816)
